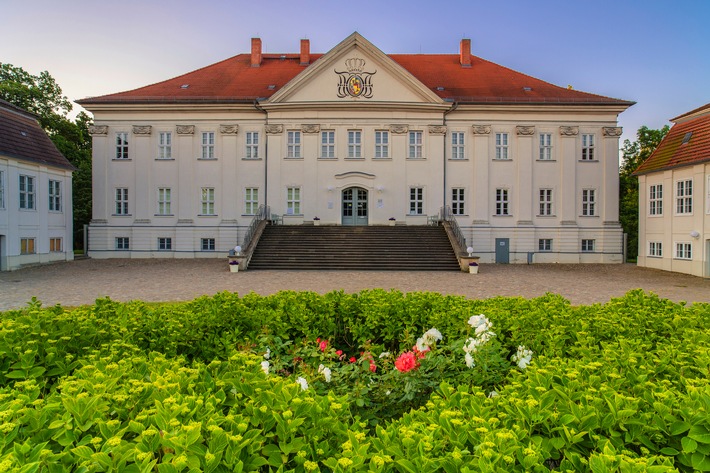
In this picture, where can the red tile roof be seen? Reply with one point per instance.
(22, 138)
(672, 152)
(234, 80)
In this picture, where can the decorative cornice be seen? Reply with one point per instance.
(437, 130)
(96, 130)
(569, 130)
(229, 129)
(344, 175)
(481, 129)
(525, 130)
(185, 129)
(612, 131)
(142, 129)
(274, 129)
(310, 128)
(399, 129)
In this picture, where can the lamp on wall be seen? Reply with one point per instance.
(695, 234)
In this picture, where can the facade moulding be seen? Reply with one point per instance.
(229, 129)
(525, 130)
(569, 130)
(481, 129)
(142, 129)
(185, 129)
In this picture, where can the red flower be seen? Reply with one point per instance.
(407, 361)
(323, 345)
(373, 366)
(352, 359)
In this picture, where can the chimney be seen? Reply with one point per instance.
(305, 52)
(465, 52)
(255, 52)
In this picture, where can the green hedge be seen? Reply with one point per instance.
(621, 386)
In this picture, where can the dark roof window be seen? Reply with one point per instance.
(687, 137)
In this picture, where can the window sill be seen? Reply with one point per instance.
(121, 159)
(326, 158)
(165, 159)
(251, 159)
(416, 159)
(27, 210)
(458, 159)
(122, 215)
(207, 215)
(500, 160)
(655, 216)
(655, 256)
(382, 159)
(293, 158)
(502, 215)
(546, 216)
(588, 160)
(683, 259)
(589, 216)
(546, 160)
(207, 159)
(163, 215)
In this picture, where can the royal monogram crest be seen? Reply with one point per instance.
(355, 82)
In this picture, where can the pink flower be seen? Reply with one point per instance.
(323, 345)
(407, 361)
(373, 366)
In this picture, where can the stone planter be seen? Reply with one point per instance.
(233, 268)
(473, 269)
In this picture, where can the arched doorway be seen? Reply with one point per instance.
(354, 206)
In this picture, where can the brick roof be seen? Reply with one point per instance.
(22, 138)
(672, 152)
(234, 80)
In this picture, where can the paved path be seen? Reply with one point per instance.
(81, 282)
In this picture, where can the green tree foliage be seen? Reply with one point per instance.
(42, 96)
(634, 154)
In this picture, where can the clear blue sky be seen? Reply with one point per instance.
(656, 53)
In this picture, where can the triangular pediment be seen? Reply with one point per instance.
(355, 71)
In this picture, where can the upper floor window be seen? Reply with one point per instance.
(252, 146)
(121, 201)
(545, 146)
(27, 192)
(415, 145)
(502, 203)
(165, 145)
(457, 145)
(354, 144)
(208, 145)
(545, 202)
(684, 197)
(164, 201)
(655, 199)
(589, 202)
(121, 145)
(587, 147)
(327, 144)
(293, 144)
(458, 201)
(502, 146)
(382, 144)
(416, 201)
(207, 201)
(55, 196)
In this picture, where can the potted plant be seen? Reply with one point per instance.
(393, 221)
(473, 267)
(234, 266)
(316, 221)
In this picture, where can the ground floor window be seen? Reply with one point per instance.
(416, 201)
(208, 244)
(122, 243)
(165, 243)
(683, 250)
(655, 248)
(457, 201)
(588, 246)
(293, 201)
(55, 245)
(27, 246)
(544, 244)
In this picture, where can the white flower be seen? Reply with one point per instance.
(302, 381)
(267, 355)
(384, 354)
(326, 373)
(321, 367)
(493, 394)
(265, 366)
(522, 357)
(429, 338)
(476, 320)
(469, 360)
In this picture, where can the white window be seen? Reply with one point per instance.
(207, 201)
(121, 201)
(251, 200)
(293, 144)
(27, 192)
(416, 201)
(207, 244)
(684, 197)
(2, 189)
(252, 149)
(589, 202)
(354, 144)
(655, 248)
(164, 201)
(546, 202)
(655, 199)
(208, 145)
(165, 244)
(122, 145)
(55, 245)
(415, 145)
(165, 145)
(122, 243)
(588, 246)
(327, 144)
(501, 145)
(683, 250)
(502, 203)
(457, 201)
(457, 145)
(293, 201)
(587, 147)
(544, 244)
(55, 196)
(27, 246)
(545, 146)
(382, 144)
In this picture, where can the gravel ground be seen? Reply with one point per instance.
(83, 281)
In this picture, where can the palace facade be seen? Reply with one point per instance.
(357, 137)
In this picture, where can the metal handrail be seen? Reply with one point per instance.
(262, 213)
(446, 214)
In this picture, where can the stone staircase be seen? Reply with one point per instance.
(326, 247)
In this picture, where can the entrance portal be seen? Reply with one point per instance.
(354, 208)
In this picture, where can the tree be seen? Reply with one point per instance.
(42, 96)
(634, 154)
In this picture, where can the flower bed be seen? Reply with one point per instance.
(375, 381)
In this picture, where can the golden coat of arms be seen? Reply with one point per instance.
(355, 82)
